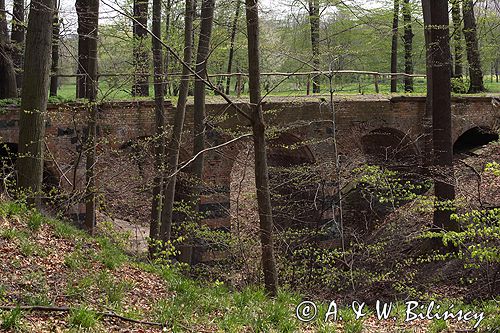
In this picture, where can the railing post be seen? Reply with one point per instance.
(376, 78)
(238, 85)
(308, 85)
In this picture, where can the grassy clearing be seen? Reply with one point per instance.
(93, 275)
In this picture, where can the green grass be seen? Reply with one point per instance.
(83, 317)
(11, 320)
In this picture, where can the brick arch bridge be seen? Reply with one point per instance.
(366, 125)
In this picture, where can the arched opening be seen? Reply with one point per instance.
(389, 146)
(293, 183)
(474, 138)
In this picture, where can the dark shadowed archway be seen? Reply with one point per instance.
(391, 147)
(474, 138)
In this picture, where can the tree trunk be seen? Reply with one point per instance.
(8, 87)
(314, 23)
(159, 123)
(471, 43)
(168, 15)
(428, 159)
(91, 85)
(34, 99)
(261, 168)
(440, 95)
(497, 65)
(458, 71)
(234, 29)
(207, 14)
(84, 31)
(17, 38)
(408, 40)
(394, 47)
(175, 142)
(141, 61)
(54, 80)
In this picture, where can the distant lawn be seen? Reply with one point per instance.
(115, 90)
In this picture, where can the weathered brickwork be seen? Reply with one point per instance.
(308, 124)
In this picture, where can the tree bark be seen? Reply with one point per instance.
(8, 87)
(234, 29)
(314, 23)
(17, 39)
(175, 142)
(458, 70)
(207, 14)
(84, 31)
(159, 141)
(34, 99)
(168, 14)
(428, 159)
(91, 93)
(471, 44)
(54, 79)
(141, 59)
(261, 167)
(440, 95)
(408, 41)
(394, 47)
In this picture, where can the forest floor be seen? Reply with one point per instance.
(92, 286)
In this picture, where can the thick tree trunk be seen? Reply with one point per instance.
(394, 47)
(408, 40)
(174, 144)
(314, 23)
(159, 123)
(234, 29)
(84, 31)
(8, 87)
(207, 15)
(54, 80)
(261, 168)
(440, 95)
(17, 38)
(141, 59)
(458, 70)
(91, 86)
(471, 43)
(34, 99)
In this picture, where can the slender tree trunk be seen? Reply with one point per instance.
(471, 43)
(168, 15)
(261, 168)
(234, 29)
(394, 47)
(34, 99)
(91, 86)
(175, 142)
(458, 71)
(207, 15)
(8, 87)
(17, 38)
(408, 40)
(54, 80)
(428, 158)
(84, 31)
(314, 23)
(440, 95)
(159, 141)
(141, 59)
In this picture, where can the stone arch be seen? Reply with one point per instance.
(474, 137)
(390, 146)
